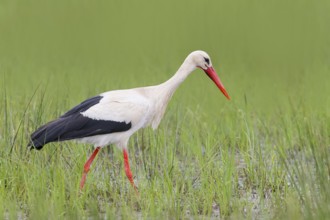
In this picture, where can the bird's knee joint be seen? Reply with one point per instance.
(86, 169)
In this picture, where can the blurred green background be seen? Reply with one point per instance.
(267, 53)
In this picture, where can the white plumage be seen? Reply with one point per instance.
(112, 117)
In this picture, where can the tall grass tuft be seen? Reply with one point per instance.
(307, 164)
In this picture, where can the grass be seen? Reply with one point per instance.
(262, 155)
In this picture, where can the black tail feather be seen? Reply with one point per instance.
(72, 127)
(39, 138)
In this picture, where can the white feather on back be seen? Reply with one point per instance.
(122, 106)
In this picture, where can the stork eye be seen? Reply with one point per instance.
(207, 60)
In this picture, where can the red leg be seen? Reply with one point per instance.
(128, 170)
(87, 166)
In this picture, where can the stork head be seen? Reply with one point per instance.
(203, 61)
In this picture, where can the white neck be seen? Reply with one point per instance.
(172, 84)
(163, 92)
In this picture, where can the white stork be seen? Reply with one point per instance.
(112, 117)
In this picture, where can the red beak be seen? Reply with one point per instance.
(215, 78)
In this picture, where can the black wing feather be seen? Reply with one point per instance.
(83, 106)
(74, 125)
